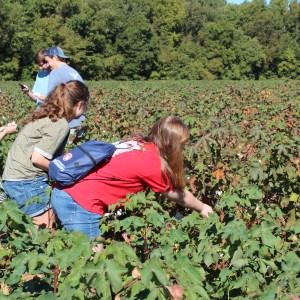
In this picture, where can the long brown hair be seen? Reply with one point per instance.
(169, 134)
(61, 102)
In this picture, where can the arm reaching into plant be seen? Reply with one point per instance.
(186, 199)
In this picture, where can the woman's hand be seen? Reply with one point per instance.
(25, 90)
(9, 128)
(206, 210)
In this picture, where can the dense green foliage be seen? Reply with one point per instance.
(243, 154)
(141, 39)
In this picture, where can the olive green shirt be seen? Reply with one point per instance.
(42, 136)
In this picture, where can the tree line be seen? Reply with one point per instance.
(154, 39)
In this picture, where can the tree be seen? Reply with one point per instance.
(168, 18)
(288, 64)
(15, 41)
(230, 53)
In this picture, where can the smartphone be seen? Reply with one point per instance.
(22, 86)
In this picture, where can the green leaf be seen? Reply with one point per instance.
(159, 272)
(48, 296)
(15, 215)
(154, 294)
(32, 261)
(126, 223)
(240, 282)
(154, 218)
(191, 273)
(229, 200)
(177, 235)
(237, 260)
(253, 192)
(270, 263)
(262, 267)
(102, 285)
(236, 231)
(65, 291)
(256, 172)
(297, 226)
(252, 283)
(147, 274)
(270, 240)
(16, 274)
(294, 197)
(74, 276)
(268, 295)
(253, 246)
(3, 252)
(135, 289)
(208, 260)
(114, 273)
(224, 274)
(19, 260)
(292, 262)
(196, 293)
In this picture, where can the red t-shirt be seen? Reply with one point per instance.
(129, 171)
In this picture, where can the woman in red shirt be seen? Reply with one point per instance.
(154, 161)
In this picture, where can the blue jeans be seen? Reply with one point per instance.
(31, 196)
(73, 216)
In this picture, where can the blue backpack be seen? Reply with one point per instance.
(74, 165)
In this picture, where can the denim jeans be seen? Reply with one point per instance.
(73, 216)
(31, 196)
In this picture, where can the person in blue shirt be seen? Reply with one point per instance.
(40, 89)
(61, 72)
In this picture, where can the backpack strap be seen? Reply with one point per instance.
(88, 155)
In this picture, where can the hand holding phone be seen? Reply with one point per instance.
(22, 86)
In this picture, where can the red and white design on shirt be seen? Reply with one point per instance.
(127, 147)
(67, 156)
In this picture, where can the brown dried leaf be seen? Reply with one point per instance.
(176, 291)
(222, 215)
(27, 277)
(191, 182)
(294, 297)
(250, 110)
(6, 289)
(235, 180)
(294, 238)
(219, 174)
(135, 273)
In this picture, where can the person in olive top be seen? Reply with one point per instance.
(43, 138)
